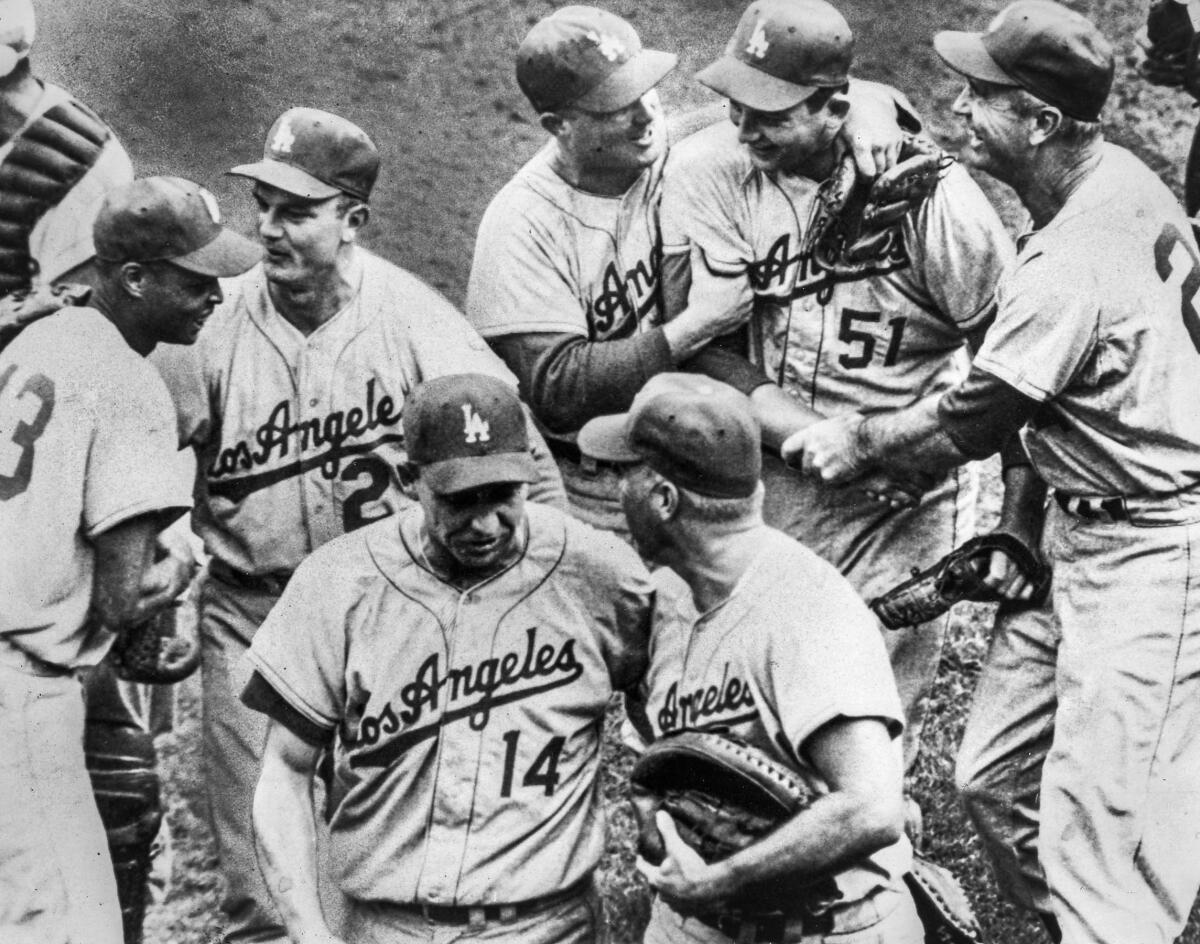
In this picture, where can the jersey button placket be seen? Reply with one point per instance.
(457, 761)
(318, 490)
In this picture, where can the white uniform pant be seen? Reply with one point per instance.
(1094, 700)
(56, 877)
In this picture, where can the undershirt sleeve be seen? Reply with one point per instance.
(258, 695)
(983, 413)
(567, 380)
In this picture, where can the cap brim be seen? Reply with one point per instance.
(630, 82)
(603, 438)
(228, 255)
(468, 472)
(286, 177)
(966, 55)
(752, 87)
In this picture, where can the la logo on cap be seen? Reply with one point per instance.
(611, 48)
(284, 138)
(758, 45)
(475, 427)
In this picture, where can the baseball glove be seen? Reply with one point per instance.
(723, 795)
(942, 906)
(958, 576)
(158, 651)
(856, 224)
(1172, 48)
(22, 308)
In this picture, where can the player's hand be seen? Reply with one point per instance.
(895, 491)
(166, 579)
(871, 130)
(683, 879)
(1006, 578)
(830, 450)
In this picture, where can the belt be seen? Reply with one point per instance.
(476, 915)
(761, 929)
(1112, 508)
(271, 583)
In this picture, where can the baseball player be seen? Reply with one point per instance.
(1080, 756)
(87, 438)
(460, 658)
(737, 200)
(565, 283)
(766, 642)
(58, 159)
(292, 401)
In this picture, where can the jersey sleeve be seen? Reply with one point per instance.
(962, 248)
(520, 274)
(444, 342)
(300, 649)
(181, 369)
(826, 660)
(700, 205)
(1046, 327)
(133, 463)
(623, 603)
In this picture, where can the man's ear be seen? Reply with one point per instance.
(132, 277)
(407, 473)
(356, 218)
(665, 500)
(1046, 123)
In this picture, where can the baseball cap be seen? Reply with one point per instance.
(316, 155)
(695, 431)
(18, 26)
(1054, 54)
(467, 430)
(781, 52)
(589, 58)
(170, 219)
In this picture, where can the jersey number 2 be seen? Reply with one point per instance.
(543, 772)
(1178, 267)
(28, 406)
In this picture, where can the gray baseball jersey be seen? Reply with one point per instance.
(467, 723)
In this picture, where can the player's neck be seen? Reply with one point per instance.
(124, 320)
(601, 181)
(19, 96)
(309, 303)
(1056, 176)
(712, 560)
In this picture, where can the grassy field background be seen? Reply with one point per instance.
(191, 87)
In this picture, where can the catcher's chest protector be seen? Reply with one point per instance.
(48, 158)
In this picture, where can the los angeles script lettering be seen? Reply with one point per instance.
(690, 709)
(279, 433)
(486, 681)
(773, 269)
(623, 296)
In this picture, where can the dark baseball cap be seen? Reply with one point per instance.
(589, 58)
(781, 52)
(317, 155)
(170, 219)
(1054, 54)
(467, 430)
(695, 431)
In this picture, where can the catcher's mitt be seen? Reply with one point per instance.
(22, 308)
(723, 795)
(942, 905)
(158, 651)
(856, 223)
(1172, 47)
(929, 593)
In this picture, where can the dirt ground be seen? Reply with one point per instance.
(191, 86)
